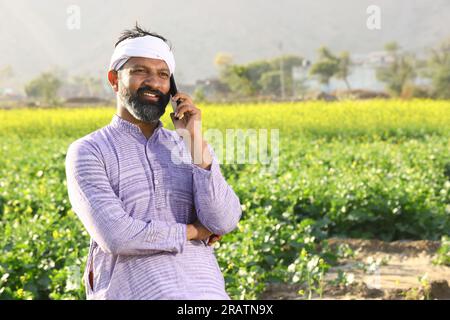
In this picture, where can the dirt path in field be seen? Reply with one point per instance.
(381, 270)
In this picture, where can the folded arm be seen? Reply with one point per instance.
(218, 207)
(102, 212)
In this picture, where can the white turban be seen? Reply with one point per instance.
(146, 47)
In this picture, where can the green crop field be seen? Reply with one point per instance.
(365, 169)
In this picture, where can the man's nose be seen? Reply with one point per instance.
(152, 81)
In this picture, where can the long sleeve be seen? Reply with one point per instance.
(218, 207)
(102, 212)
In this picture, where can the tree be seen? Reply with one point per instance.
(329, 66)
(231, 75)
(223, 59)
(397, 73)
(44, 86)
(270, 83)
(257, 77)
(288, 63)
(439, 70)
(199, 95)
(344, 68)
(326, 67)
(234, 76)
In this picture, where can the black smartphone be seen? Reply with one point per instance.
(173, 86)
(173, 91)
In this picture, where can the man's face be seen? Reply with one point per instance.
(144, 85)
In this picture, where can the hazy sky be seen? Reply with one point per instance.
(36, 35)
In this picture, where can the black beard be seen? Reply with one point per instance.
(143, 110)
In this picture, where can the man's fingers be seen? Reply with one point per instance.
(172, 116)
(183, 108)
(213, 239)
(203, 232)
(178, 124)
(210, 243)
(184, 97)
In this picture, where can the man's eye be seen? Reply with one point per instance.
(138, 70)
(164, 75)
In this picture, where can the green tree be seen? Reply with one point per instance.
(223, 59)
(344, 68)
(439, 70)
(45, 86)
(288, 63)
(399, 72)
(270, 83)
(235, 77)
(259, 77)
(199, 95)
(326, 67)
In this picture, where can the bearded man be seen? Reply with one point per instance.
(152, 212)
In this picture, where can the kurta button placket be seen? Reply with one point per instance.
(157, 172)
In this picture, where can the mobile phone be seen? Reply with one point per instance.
(173, 91)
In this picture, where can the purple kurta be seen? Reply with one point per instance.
(135, 196)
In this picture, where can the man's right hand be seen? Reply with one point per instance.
(196, 231)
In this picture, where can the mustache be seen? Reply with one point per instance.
(143, 89)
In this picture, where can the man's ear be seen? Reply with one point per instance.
(113, 78)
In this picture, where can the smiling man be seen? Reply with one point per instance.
(152, 218)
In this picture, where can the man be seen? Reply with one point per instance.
(152, 212)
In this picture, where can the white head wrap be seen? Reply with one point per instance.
(146, 47)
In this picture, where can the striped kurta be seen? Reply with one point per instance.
(135, 196)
